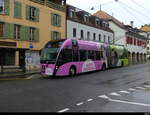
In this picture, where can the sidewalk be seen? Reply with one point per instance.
(17, 74)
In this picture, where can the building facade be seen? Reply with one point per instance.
(82, 25)
(136, 44)
(127, 36)
(26, 26)
(145, 31)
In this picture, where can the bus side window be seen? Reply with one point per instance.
(75, 54)
(124, 55)
(91, 55)
(83, 55)
(98, 55)
(101, 54)
(65, 56)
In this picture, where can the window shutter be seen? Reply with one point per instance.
(36, 35)
(27, 12)
(52, 35)
(6, 30)
(27, 32)
(7, 6)
(37, 14)
(23, 33)
(59, 19)
(11, 31)
(52, 19)
(59, 35)
(17, 9)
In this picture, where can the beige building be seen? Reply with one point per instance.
(29, 24)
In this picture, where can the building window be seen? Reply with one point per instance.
(104, 38)
(94, 36)
(17, 31)
(86, 18)
(1, 29)
(72, 13)
(99, 37)
(74, 32)
(82, 34)
(130, 41)
(134, 41)
(56, 20)
(88, 35)
(109, 39)
(55, 35)
(97, 22)
(32, 13)
(1, 6)
(147, 48)
(32, 34)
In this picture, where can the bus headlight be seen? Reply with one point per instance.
(56, 67)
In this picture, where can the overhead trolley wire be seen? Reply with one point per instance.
(140, 6)
(128, 11)
(139, 12)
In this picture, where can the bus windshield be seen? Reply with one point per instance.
(49, 54)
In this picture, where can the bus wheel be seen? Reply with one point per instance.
(104, 67)
(72, 71)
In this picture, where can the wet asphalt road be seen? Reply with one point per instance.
(102, 91)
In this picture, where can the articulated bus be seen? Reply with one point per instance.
(117, 56)
(70, 57)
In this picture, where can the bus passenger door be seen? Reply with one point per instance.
(75, 50)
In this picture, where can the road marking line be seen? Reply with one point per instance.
(121, 101)
(90, 100)
(115, 94)
(147, 86)
(103, 96)
(128, 102)
(131, 89)
(140, 88)
(64, 110)
(81, 103)
(124, 92)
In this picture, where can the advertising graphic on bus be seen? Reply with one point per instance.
(118, 56)
(71, 57)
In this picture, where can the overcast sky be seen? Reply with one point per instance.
(124, 10)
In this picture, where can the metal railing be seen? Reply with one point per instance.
(55, 6)
(50, 5)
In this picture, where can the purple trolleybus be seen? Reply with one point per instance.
(71, 57)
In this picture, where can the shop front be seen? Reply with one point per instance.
(11, 56)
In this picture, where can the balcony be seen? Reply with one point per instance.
(50, 5)
(55, 6)
(39, 1)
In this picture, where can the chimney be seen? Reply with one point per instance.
(131, 23)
